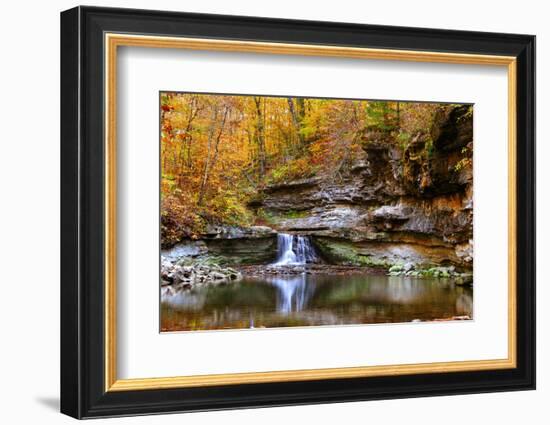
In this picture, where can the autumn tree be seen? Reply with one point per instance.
(259, 135)
(218, 151)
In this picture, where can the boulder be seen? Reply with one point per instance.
(199, 273)
(187, 248)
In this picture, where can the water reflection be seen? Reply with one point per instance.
(187, 300)
(292, 293)
(302, 300)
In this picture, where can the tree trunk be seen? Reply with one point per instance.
(260, 136)
(213, 144)
(206, 171)
(297, 112)
(398, 115)
(218, 138)
(184, 157)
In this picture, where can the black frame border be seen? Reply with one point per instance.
(82, 212)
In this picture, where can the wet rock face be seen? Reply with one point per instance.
(244, 250)
(237, 245)
(228, 245)
(396, 204)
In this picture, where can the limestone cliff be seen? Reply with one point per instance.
(398, 202)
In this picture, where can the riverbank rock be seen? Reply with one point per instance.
(183, 275)
(459, 278)
(309, 269)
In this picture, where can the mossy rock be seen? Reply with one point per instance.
(343, 252)
(243, 251)
(396, 268)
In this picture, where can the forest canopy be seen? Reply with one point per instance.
(218, 152)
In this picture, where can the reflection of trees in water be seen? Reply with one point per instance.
(397, 290)
(375, 290)
(302, 300)
(372, 289)
(464, 304)
(235, 295)
(187, 300)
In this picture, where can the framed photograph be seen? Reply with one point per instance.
(261, 212)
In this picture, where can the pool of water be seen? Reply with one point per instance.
(312, 300)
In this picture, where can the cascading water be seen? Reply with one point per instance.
(294, 250)
(293, 292)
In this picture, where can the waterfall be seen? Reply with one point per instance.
(294, 250)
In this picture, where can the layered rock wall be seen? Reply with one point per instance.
(228, 245)
(411, 203)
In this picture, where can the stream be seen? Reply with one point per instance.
(304, 299)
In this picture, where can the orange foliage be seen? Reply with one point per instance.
(217, 151)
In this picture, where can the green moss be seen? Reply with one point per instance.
(341, 252)
(264, 217)
(396, 268)
(433, 271)
(293, 214)
(272, 218)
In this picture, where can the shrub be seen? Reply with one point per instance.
(178, 219)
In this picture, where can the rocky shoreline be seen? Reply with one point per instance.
(450, 272)
(186, 275)
(328, 269)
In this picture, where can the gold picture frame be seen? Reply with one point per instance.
(114, 41)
